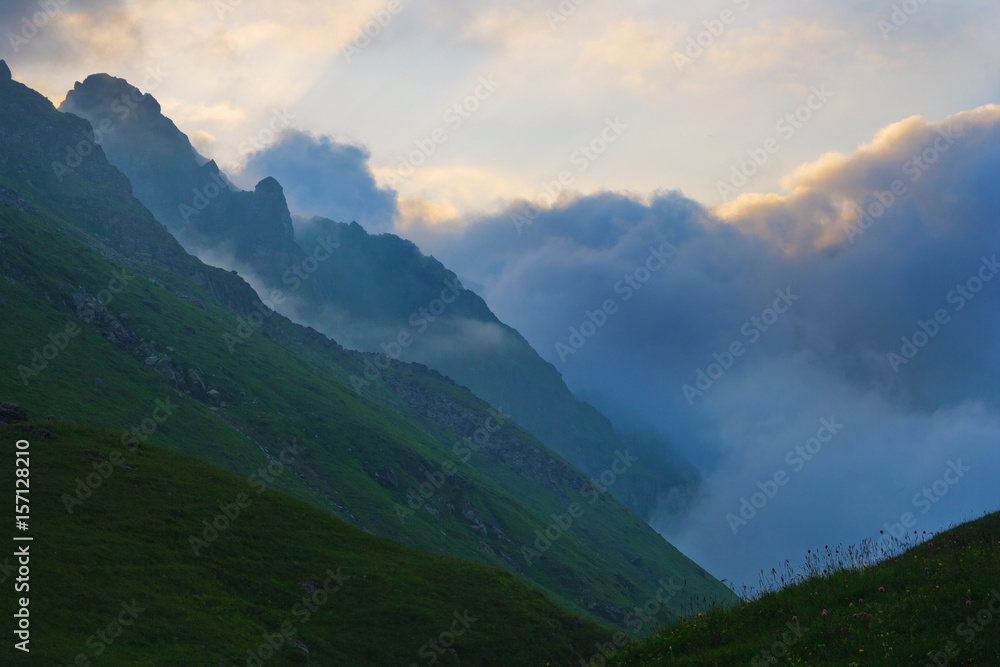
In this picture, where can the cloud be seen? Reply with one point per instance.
(323, 177)
(512, 29)
(828, 195)
(779, 46)
(635, 48)
(916, 283)
(223, 114)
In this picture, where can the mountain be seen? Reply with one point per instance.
(207, 569)
(371, 293)
(107, 321)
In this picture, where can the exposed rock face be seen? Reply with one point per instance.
(13, 199)
(501, 447)
(189, 380)
(11, 413)
(354, 287)
(5, 74)
(186, 192)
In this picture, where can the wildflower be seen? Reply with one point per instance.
(795, 618)
(968, 603)
(861, 600)
(881, 589)
(824, 612)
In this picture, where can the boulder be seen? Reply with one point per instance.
(11, 413)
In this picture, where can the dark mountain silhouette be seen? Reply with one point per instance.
(372, 293)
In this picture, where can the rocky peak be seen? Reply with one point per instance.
(5, 74)
(270, 188)
(100, 90)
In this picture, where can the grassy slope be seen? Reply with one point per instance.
(131, 541)
(294, 381)
(158, 158)
(292, 394)
(931, 593)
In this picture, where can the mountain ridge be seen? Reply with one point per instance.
(367, 292)
(149, 326)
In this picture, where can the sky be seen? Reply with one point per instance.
(699, 166)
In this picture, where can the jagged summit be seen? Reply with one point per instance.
(368, 292)
(5, 74)
(268, 186)
(97, 89)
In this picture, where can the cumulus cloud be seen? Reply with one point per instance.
(324, 177)
(773, 314)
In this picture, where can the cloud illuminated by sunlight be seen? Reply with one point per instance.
(636, 50)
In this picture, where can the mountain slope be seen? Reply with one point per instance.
(168, 349)
(372, 293)
(213, 570)
(936, 603)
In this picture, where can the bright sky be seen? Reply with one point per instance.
(536, 81)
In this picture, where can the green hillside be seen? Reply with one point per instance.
(275, 565)
(167, 350)
(937, 603)
(363, 290)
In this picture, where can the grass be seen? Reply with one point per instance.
(285, 383)
(132, 541)
(883, 603)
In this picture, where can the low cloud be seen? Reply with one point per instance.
(887, 325)
(326, 178)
